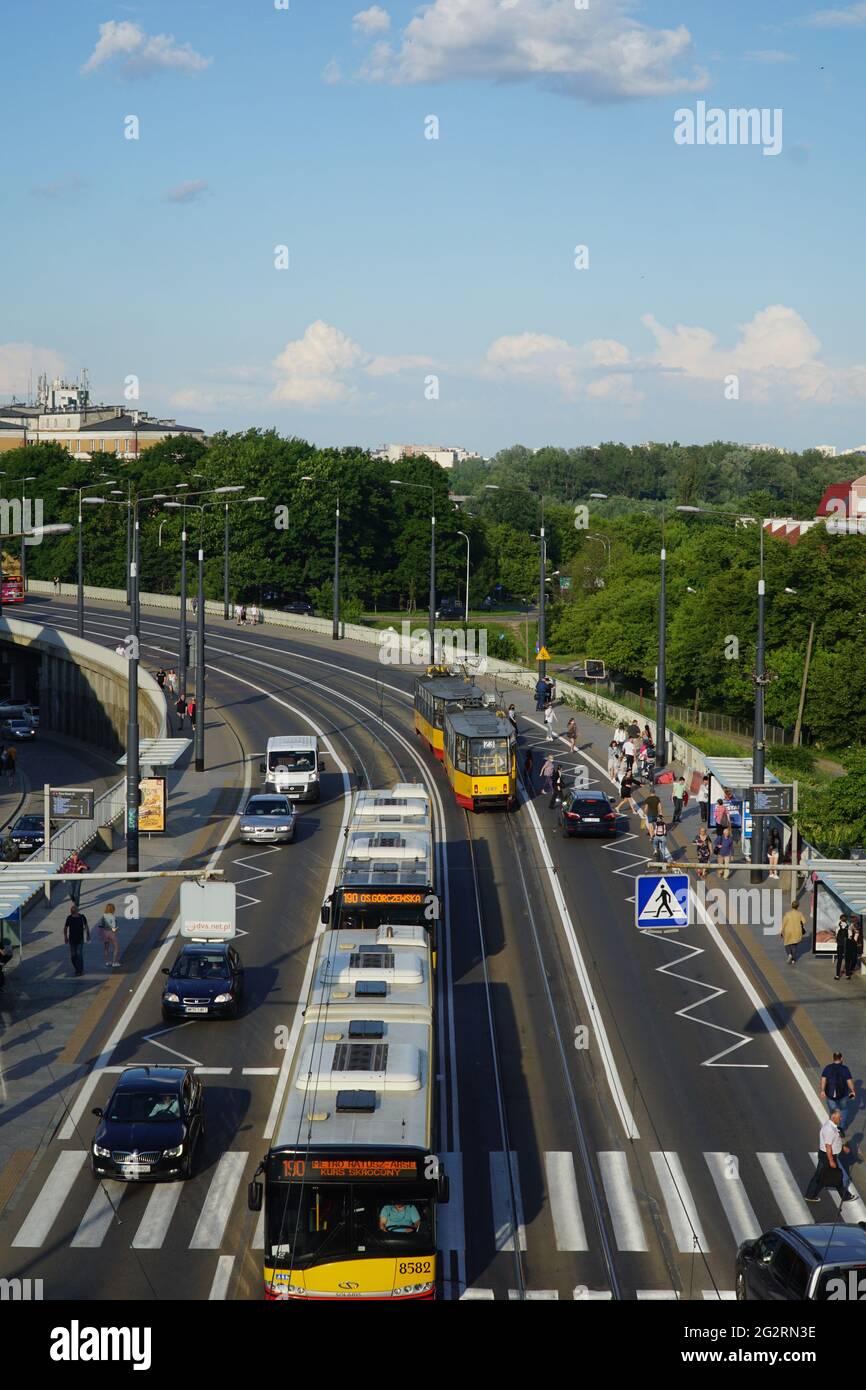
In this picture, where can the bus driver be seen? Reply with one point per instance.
(399, 1217)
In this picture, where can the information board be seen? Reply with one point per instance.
(71, 803)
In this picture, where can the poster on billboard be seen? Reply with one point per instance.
(151, 811)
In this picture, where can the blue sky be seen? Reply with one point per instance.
(412, 258)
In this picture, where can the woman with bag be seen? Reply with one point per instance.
(107, 932)
(702, 846)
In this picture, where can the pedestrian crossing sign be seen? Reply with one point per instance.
(662, 901)
(543, 654)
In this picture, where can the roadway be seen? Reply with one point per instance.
(627, 1167)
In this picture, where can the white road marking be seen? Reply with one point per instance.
(469, 1294)
(680, 1204)
(260, 1071)
(657, 1295)
(220, 1285)
(96, 1222)
(585, 1295)
(161, 1205)
(500, 1196)
(259, 1233)
(568, 1227)
(624, 1213)
(712, 1295)
(214, 1215)
(55, 1190)
(786, 1190)
(528, 1295)
(732, 1194)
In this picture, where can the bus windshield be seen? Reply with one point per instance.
(489, 757)
(309, 1223)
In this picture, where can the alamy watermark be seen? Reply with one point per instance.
(451, 647)
(739, 125)
(19, 515)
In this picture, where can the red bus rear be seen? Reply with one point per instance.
(13, 588)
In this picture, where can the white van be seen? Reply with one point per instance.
(292, 765)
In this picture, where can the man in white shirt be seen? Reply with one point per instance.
(628, 754)
(830, 1171)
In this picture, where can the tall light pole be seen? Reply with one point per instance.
(428, 487)
(335, 621)
(661, 679)
(102, 482)
(31, 478)
(466, 603)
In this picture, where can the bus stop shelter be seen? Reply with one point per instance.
(14, 897)
(734, 776)
(838, 886)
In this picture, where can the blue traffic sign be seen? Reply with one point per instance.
(662, 900)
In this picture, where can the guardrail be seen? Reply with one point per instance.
(77, 834)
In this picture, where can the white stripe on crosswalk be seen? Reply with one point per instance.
(160, 1208)
(621, 1202)
(725, 1171)
(657, 1295)
(568, 1225)
(96, 1220)
(259, 1233)
(46, 1209)
(712, 1295)
(470, 1294)
(501, 1196)
(220, 1285)
(214, 1215)
(682, 1212)
(528, 1295)
(786, 1191)
(584, 1295)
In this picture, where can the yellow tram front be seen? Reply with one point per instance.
(481, 758)
(436, 692)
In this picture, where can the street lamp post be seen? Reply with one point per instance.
(466, 603)
(133, 771)
(661, 680)
(31, 478)
(428, 487)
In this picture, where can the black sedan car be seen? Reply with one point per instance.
(206, 981)
(28, 832)
(151, 1127)
(795, 1264)
(587, 812)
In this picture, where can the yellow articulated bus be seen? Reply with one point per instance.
(350, 1185)
(435, 692)
(481, 758)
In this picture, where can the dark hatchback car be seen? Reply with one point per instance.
(28, 832)
(587, 812)
(299, 607)
(821, 1263)
(151, 1127)
(206, 981)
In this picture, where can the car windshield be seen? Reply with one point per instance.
(29, 823)
(140, 1107)
(200, 966)
(268, 806)
(295, 762)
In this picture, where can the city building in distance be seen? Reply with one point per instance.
(446, 458)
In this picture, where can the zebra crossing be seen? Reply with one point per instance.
(85, 1213)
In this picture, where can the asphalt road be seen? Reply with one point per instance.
(606, 1133)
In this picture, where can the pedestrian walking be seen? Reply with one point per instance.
(571, 733)
(721, 818)
(626, 792)
(511, 713)
(853, 947)
(841, 943)
(704, 798)
(660, 842)
(628, 752)
(837, 1085)
(190, 709)
(180, 709)
(652, 808)
(678, 791)
(555, 786)
(725, 852)
(793, 931)
(548, 691)
(57, 583)
(171, 681)
(160, 678)
(107, 932)
(75, 865)
(540, 691)
(75, 933)
(527, 770)
(612, 760)
(547, 773)
(774, 849)
(549, 717)
(194, 606)
(254, 613)
(619, 735)
(702, 847)
(829, 1171)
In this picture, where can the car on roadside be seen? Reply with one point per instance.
(28, 833)
(450, 608)
(22, 729)
(821, 1263)
(151, 1127)
(268, 818)
(299, 608)
(585, 811)
(205, 981)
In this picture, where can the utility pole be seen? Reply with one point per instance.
(661, 682)
(199, 658)
(756, 876)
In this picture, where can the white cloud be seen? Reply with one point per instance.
(573, 369)
(17, 360)
(391, 366)
(332, 73)
(187, 192)
(769, 55)
(600, 53)
(143, 54)
(372, 21)
(849, 17)
(776, 340)
(312, 369)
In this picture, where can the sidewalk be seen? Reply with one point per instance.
(48, 1017)
(817, 1013)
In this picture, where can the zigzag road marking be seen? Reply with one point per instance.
(248, 899)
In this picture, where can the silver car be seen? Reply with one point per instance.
(268, 817)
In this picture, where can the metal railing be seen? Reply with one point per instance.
(77, 834)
